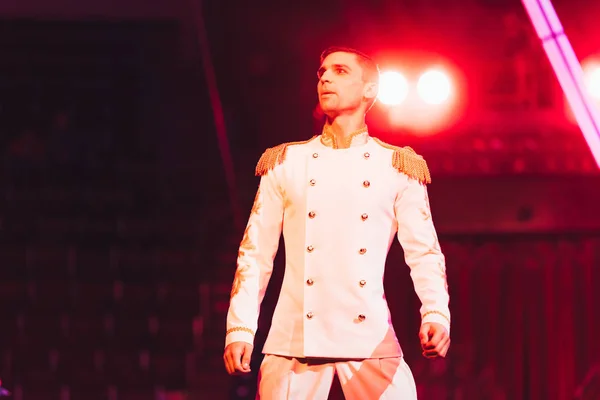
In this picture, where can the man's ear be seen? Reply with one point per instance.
(371, 90)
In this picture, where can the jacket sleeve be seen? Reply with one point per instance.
(255, 261)
(422, 252)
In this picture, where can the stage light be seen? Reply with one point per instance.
(393, 88)
(420, 97)
(592, 79)
(568, 70)
(434, 87)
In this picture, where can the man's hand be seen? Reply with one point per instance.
(435, 340)
(237, 358)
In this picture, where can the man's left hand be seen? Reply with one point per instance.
(435, 340)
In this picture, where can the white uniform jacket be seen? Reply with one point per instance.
(339, 210)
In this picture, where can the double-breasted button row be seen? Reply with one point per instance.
(366, 155)
(312, 215)
(366, 183)
(360, 317)
(311, 282)
(311, 248)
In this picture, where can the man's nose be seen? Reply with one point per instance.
(326, 77)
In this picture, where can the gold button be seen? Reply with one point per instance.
(315, 155)
(361, 317)
(313, 182)
(366, 155)
(362, 251)
(310, 249)
(311, 214)
(366, 184)
(309, 282)
(362, 283)
(309, 315)
(364, 216)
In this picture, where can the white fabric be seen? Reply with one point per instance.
(332, 302)
(284, 378)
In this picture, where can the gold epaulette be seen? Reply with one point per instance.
(407, 161)
(274, 156)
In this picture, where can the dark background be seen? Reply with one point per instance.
(129, 134)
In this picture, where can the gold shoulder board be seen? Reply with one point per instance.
(408, 162)
(274, 156)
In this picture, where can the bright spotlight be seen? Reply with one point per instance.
(393, 88)
(434, 87)
(592, 77)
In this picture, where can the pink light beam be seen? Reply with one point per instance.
(567, 69)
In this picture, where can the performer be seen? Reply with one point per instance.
(340, 199)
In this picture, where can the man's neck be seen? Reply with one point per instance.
(343, 128)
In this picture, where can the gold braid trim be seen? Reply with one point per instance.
(407, 161)
(274, 156)
(329, 139)
(438, 313)
(239, 329)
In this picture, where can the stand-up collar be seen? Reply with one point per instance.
(356, 138)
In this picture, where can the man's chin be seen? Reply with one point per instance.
(329, 112)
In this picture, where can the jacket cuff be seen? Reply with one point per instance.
(239, 334)
(437, 317)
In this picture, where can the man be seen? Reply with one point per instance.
(340, 199)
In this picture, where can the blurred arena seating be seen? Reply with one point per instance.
(99, 283)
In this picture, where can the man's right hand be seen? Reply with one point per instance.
(237, 358)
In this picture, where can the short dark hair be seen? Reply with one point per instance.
(370, 68)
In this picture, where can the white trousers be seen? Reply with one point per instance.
(286, 378)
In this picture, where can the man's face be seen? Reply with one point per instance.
(341, 87)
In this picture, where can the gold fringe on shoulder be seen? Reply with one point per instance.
(407, 161)
(274, 156)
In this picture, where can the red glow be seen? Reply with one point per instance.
(422, 95)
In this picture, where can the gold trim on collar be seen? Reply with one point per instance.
(329, 139)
